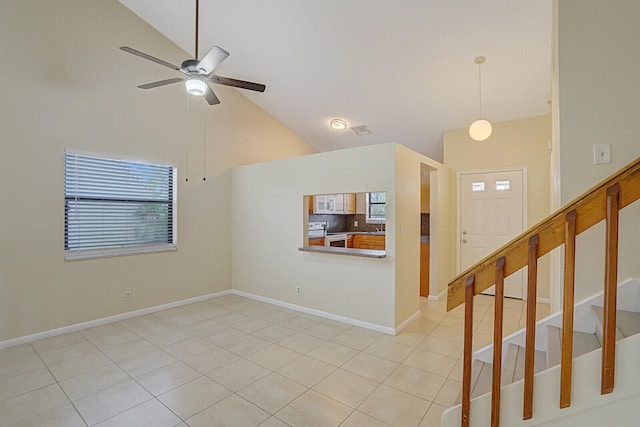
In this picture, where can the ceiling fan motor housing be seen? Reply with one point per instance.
(191, 66)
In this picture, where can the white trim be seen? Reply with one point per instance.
(75, 255)
(439, 296)
(326, 315)
(543, 300)
(105, 320)
(118, 317)
(407, 322)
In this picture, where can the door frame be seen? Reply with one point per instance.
(525, 193)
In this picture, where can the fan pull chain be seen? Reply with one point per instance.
(187, 138)
(204, 145)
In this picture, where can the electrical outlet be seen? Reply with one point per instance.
(127, 295)
(298, 290)
(355, 223)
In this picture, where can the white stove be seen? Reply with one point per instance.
(317, 229)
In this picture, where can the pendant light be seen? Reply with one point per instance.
(480, 129)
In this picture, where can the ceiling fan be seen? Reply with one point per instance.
(198, 72)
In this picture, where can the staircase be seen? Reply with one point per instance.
(576, 357)
(550, 354)
(587, 339)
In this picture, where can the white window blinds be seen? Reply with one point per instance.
(117, 204)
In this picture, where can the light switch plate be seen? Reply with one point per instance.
(601, 154)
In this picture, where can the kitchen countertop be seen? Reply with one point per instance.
(366, 253)
(370, 233)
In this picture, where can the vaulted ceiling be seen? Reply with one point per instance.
(403, 68)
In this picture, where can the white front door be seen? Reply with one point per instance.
(491, 214)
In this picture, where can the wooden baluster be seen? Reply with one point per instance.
(567, 314)
(610, 291)
(530, 346)
(468, 350)
(497, 343)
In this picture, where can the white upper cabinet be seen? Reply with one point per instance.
(334, 204)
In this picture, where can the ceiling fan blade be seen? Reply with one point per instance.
(237, 83)
(150, 58)
(212, 59)
(211, 97)
(162, 83)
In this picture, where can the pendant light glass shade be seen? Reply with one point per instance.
(481, 129)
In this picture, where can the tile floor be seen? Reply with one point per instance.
(232, 361)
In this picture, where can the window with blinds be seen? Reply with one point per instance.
(116, 207)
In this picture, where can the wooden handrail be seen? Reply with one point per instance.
(601, 202)
(590, 208)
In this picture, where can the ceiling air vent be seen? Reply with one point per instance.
(361, 130)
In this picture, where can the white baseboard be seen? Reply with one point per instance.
(105, 320)
(407, 322)
(118, 317)
(320, 313)
(438, 297)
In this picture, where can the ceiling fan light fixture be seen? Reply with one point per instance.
(338, 124)
(195, 87)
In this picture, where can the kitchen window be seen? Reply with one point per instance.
(376, 207)
(117, 207)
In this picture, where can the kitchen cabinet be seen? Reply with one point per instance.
(369, 241)
(424, 269)
(334, 203)
(316, 241)
(350, 239)
(349, 203)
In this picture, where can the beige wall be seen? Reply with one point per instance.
(65, 84)
(269, 226)
(523, 142)
(266, 260)
(409, 166)
(598, 91)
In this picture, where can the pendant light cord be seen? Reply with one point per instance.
(480, 86)
(480, 60)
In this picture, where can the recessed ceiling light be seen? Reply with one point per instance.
(361, 130)
(338, 124)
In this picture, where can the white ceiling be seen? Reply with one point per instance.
(404, 68)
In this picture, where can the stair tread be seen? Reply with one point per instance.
(627, 322)
(582, 343)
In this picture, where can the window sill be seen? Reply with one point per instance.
(113, 252)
